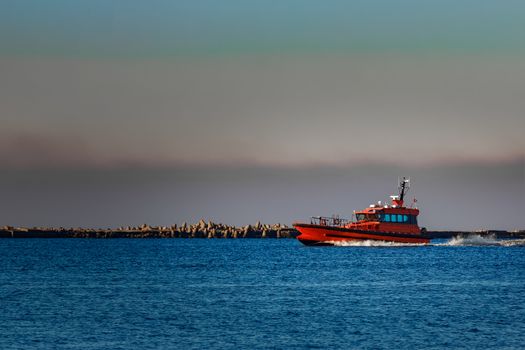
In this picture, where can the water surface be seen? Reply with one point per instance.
(258, 294)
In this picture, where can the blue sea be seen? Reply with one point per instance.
(260, 294)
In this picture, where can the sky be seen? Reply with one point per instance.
(124, 112)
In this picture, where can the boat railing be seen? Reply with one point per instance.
(329, 221)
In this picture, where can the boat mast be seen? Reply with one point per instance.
(404, 185)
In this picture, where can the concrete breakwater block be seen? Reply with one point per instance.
(201, 229)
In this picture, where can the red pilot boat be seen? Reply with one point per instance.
(391, 223)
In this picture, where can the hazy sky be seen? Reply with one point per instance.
(128, 90)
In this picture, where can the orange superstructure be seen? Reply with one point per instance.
(392, 222)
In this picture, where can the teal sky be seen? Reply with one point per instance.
(156, 29)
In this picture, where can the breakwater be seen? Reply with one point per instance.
(201, 229)
(208, 229)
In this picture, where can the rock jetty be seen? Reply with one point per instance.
(202, 229)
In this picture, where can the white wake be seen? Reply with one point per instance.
(373, 243)
(472, 240)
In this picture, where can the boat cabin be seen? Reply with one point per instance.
(402, 217)
(389, 218)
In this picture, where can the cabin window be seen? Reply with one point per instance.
(383, 217)
(368, 217)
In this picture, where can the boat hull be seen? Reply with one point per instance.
(327, 235)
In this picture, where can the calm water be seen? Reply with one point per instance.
(251, 294)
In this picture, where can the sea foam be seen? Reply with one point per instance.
(472, 240)
(480, 241)
(373, 243)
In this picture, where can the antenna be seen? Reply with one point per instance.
(404, 185)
